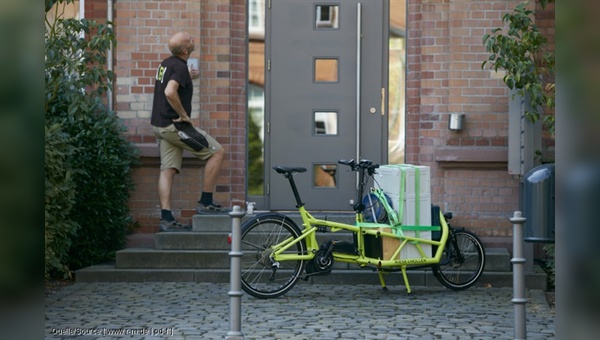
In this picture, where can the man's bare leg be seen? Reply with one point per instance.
(212, 169)
(211, 174)
(165, 182)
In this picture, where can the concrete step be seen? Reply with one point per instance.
(171, 250)
(109, 273)
(217, 240)
(497, 259)
(202, 255)
(223, 222)
(148, 258)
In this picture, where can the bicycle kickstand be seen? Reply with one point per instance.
(383, 286)
(405, 277)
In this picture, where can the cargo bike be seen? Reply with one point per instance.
(277, 252)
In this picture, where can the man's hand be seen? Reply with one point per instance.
(186, 119)
(175, 102)
(194, 73)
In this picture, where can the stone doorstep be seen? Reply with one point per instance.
(109, 273)
(201, 255)
(497, 259)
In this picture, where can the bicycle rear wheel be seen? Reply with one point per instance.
(261, 277)
(462, 261)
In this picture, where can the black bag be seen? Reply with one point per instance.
(190, 136)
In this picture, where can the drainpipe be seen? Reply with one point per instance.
(109, 56)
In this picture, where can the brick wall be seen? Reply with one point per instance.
(444, 76)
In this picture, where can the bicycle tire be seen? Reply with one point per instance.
(456, 272)
(259, 234)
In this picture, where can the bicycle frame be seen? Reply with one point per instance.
(311, 225)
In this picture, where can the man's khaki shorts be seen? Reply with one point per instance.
(171, 147)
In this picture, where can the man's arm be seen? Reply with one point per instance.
(175, 102)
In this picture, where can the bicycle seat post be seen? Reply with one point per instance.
(299, 202)
(289, 174)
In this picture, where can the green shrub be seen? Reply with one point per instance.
(550, 265)
(98, 156)
(103, 185)
(59, 201)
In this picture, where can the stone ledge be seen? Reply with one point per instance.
(472, 157)
(149, 155)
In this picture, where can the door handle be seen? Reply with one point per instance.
(383, 101)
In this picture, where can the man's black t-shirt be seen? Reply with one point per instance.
(172, 68)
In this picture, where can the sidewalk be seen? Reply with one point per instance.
(308, 311)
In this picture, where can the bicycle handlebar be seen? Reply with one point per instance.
(363, 164)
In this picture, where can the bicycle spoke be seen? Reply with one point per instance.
(462, 262)
(261, 277)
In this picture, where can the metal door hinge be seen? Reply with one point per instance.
(269, 65)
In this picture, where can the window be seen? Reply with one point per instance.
(326, 70)
(325, 123)
(324, 175)
(326, 16)
(256, 19)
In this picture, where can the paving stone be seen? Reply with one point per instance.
(310, 311)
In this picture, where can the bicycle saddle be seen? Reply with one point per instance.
(288, 170)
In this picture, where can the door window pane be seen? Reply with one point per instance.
(324, 175)
(326, 16)
(325, 123)
(326, 70)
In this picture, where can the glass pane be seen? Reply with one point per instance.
(325, 123)
(397, 80)
(326, 16)
(326, 70)
(256, 137)
(325, 175)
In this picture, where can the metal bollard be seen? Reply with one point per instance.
(518, 262)
(235, 292)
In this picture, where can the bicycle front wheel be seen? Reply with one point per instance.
(261, 276)
(462, 261)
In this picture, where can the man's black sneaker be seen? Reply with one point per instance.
(173, 226)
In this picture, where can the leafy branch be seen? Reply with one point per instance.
(521, 51)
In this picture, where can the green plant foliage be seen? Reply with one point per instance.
(59, 200)
(550, 266)
(521, 51)
(256, 162)
(84, 138)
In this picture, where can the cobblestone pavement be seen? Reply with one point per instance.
(308, 311)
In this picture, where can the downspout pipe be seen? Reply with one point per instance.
(109, 56)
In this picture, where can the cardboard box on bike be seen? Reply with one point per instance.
(409, 188)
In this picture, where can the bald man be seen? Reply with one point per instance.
(173, 127)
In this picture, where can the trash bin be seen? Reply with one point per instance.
(538, 204)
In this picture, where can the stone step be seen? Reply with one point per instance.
(223, 222)
(497, 259)
(417, 277)
(212, 240)
(202, 255)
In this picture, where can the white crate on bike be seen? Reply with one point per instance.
(397, 179)
(409, 189)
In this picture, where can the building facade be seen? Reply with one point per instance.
(442, 76)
